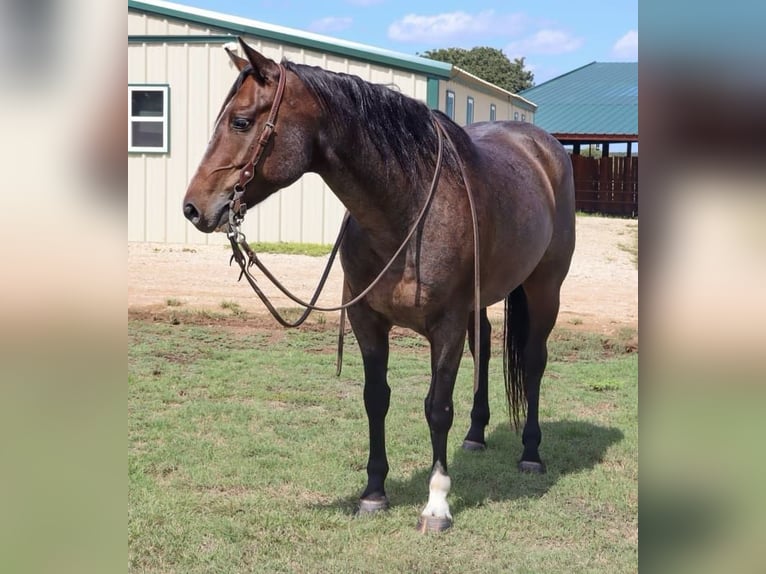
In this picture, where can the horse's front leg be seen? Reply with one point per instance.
(371, 331)
(447, 340)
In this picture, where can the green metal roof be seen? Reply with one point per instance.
(600, 98)
(236, 25)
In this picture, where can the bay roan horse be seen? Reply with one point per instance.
(376, 149)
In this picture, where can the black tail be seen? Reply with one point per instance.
(515, 331)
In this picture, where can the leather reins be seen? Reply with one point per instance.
(246, 257)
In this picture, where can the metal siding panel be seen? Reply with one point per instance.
(336, 64)
(136, 64)
(333, 216)
(313, 208)
(481, 104)
(403, 82)
(178, 28)
(136, 198)
(293, 54)
(268, 218)
(136, 24)
(156, 64)
(156, 164)
(197, 118)
(178, 159)
(420, 88)
(380, 75)
(313, 59)
(136, 168)
(156, 172)
(156, 26)
(361, 69)
(290, 209)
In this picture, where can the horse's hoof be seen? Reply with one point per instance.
(533, 467)
(372, 506)
(433, 524)
(473, 445)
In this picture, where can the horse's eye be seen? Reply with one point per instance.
(240, 123)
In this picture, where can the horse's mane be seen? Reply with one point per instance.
(398, 126)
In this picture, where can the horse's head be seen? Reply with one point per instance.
(262, 141)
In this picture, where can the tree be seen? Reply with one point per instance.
(489, 64)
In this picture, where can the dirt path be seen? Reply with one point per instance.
(599, 294)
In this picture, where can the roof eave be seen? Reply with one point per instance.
(492, 89)
(238, 26)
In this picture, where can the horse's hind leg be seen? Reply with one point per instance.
(542, 297)
(371, 330)
(474, 440)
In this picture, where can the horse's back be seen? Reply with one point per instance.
(528, 165)
(527, 152)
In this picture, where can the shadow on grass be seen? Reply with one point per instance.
(568, 447)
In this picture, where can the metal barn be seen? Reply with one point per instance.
(178, 76)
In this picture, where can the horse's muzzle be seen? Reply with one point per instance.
(206, 223)
(191, 213)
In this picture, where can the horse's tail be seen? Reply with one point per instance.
(515, 331)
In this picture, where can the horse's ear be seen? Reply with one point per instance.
(263, 67)
(240, 63)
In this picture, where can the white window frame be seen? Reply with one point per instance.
(450, 99)
(469, 107)
(164, 119)
(516, 116)
(492, 112)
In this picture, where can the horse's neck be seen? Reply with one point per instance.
(376, 191)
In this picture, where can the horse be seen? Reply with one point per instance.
(376, 149)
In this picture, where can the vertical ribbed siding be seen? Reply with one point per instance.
(199, 75)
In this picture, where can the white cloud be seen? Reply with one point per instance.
(627, 46)
(451, 26)
(546, 41)
(330, 24)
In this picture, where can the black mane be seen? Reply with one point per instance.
(396, 125)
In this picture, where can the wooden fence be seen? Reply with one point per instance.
(607, 185)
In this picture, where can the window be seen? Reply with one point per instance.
(523, 117)
(148, 117)
(516, 116)
(469, 111)
(492, 112)
(450, 109)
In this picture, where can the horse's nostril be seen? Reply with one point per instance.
(191, 212)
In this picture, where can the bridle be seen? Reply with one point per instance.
(246, 175)
(246, 257)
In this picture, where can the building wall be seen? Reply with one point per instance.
(199, 75)
(506, 106)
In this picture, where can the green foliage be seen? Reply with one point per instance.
(489, 64)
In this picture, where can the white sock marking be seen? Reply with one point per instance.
(438, 489)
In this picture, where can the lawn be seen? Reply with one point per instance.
(246, 454)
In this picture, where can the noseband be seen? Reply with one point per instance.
(237, 207)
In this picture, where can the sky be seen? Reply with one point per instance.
(554, 36)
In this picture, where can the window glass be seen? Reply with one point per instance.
(148, 118)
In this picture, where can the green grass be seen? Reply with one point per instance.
(290, 248)
(247, 454)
